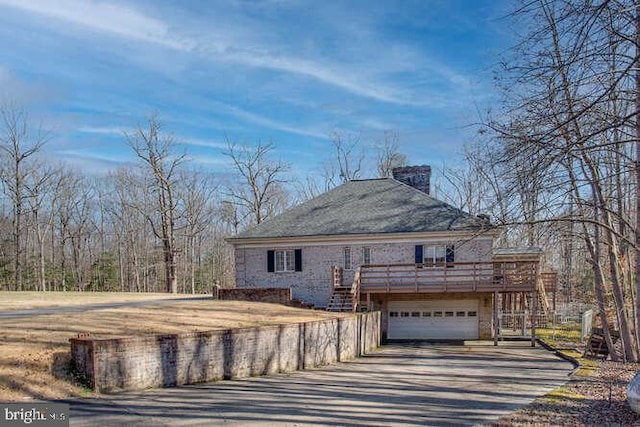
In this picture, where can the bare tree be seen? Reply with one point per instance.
(306, 189)
(19, 142)
(197, 190)
(42, 188)
(348, 155)
(465, 189)
(388, 155)
(565, 140)
(73, 211)
(155, 150)
(129, 208)
(260, 191)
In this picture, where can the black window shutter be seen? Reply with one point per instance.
(298, 259)
(419, 257)
(271, 261)
(450, 256)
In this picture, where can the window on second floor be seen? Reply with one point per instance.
(435, 255)
(346, 258)
(366, 255)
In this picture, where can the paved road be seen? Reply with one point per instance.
(409, 385)
(17, 314)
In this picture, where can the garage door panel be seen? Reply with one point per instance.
(447, 319)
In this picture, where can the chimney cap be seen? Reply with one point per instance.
(417, 177)
(412, 168)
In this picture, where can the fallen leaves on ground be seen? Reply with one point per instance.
(594, 398)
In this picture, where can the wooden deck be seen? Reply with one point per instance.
(492, 276)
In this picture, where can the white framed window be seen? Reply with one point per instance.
(366, 255)
(434, 255)
(438, 255)
(284, 260)
(346, 258)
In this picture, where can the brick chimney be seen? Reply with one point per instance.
(416, 176)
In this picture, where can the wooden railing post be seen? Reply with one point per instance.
(534, 314)
(337, 276)
(475, 276)
(444, 278)
(496, 327)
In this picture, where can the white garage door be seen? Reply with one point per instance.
(433, 319)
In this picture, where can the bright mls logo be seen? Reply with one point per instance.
(35, 414)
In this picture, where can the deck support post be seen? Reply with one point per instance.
(534, 313)
(496, 329)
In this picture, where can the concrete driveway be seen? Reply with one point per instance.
(407, 384)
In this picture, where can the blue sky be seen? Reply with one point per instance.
(283, 71)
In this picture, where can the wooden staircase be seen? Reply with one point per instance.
(544, 310)
(597, 347)
(341, 300)
(344, 298)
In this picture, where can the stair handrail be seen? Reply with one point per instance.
(542, 292)
(337, 276)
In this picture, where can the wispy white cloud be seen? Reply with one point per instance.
(90, 162)
(107, 17)
(346, 79)
(210, 161)
(283, 71)
(235, 46)
(202, 142)
(121, 131)
(273, 124)
(104, 130)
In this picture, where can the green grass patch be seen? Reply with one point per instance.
(561, 335)
(588, 367)
(565, 336)
(562, 393)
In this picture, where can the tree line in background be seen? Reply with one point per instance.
(560, 158)
(557, 165)
(157, 226)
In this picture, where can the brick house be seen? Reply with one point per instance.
(386, 244)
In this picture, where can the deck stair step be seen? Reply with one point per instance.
(341, 299)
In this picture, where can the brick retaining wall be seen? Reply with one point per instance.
(135, 363)
(271, 295)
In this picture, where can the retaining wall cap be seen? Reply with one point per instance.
(203, 333)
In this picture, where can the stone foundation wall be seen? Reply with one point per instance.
(111, 365)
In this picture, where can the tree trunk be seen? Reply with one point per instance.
(637, 171)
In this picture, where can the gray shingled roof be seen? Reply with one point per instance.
(366, 207)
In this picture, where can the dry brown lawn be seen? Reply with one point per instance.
(26, 300)
(34, 350)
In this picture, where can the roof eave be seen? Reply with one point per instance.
(341, 238)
